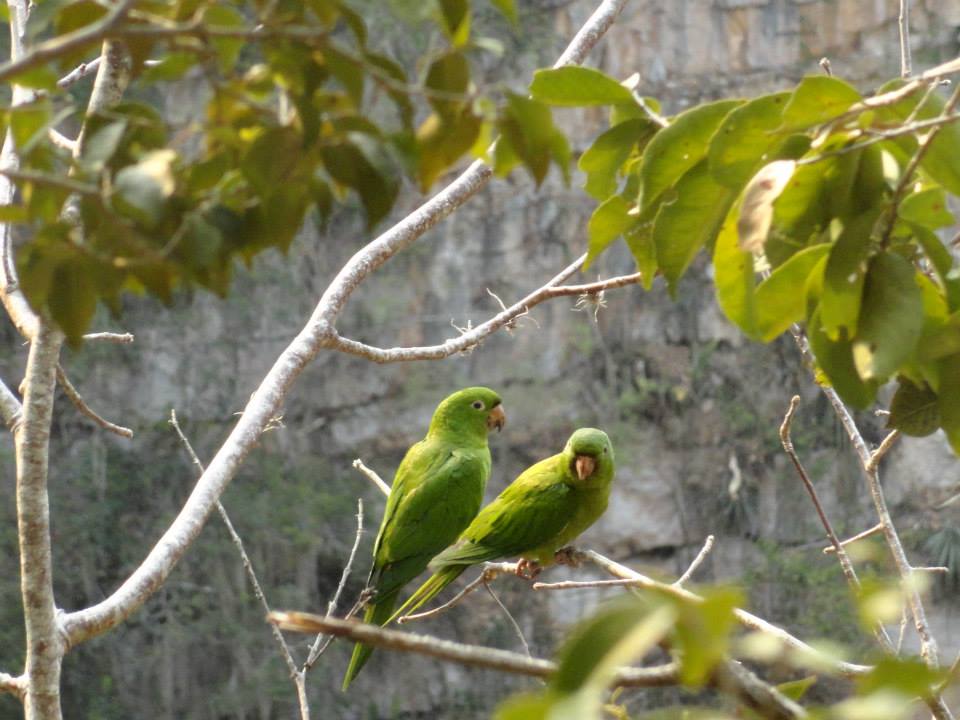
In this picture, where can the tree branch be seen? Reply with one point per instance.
(859, 536)
(16, 686)
(471, 338)
(44, 644)
(489, 572)
(266, 400)
(472, 655)
(118, 338)
(697, 561)
(63, 44)
(903, 23)
(745, 618)
(81, 405)
(10, 407)
(372, 476)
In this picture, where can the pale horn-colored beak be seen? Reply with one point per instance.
(497, 418)
(585, 466)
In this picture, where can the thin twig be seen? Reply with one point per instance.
(513, 621)
(476, 656)
(16, 686)
(78, 73)
(372, 476)
(61, 140)
(119, 338)
(319, 645)
(697, 561)
(71, 392)
(877, 455)
(238, 542)
(903, 23)
(489, 572)
(859, 536)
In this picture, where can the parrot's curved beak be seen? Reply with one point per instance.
(585, 465)
(497, 418)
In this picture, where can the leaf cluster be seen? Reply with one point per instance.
(818, 209)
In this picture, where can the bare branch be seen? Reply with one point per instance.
(10, 407)
(372, 476)
(44, 642)
(263, 405)
(903, 23)
(877, 455)
(446, 650)
(81, 405)
(512, 620)
(78, 73)
(238, 543)
(68, 42)
(16, 686)
(697, 561)
(472, 337)
(61, 140)
(735, 679)
(318, 645)
(859, 536)
(119, 338)
(489, 572)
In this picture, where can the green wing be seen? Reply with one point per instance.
(533, 509)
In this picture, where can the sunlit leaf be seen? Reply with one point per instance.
(734, 277)
(928, 208)
(746, 138)
(578, 86)
(818, 98)
(677, 148)
(455, 15)
(835, 359)
(689, 223)
(603, 159)
(780, 300)
(142, 190)
(227, 49)
(507, 8)
(449, 79)
(703, 632)
(756, 207)
(441, 142)
(607, 223)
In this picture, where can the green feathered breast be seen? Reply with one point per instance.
(543, 510)
(436, 492)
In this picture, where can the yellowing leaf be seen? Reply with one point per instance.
(756, 208)
(578, 86)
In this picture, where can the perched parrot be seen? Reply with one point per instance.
(545, 508)
(436, 492)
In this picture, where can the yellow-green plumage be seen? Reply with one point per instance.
(436, 492)
(543, 510)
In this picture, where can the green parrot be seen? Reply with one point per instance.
(436, 492)
(545, 508)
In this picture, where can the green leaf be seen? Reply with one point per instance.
(703, 632)
(529, 706)
(608, 222)
(835, 359)
(746, 139)
(914, 409)
(528, 135)
(227, 49)
(844, 277)
(644, 251)
(780, 300)
(100, 145)
(603, 159)
(455, 15)
(735, 277)
(394, 71)
(680, 146)
(907, 676)
(818, 98)
(272, 160)
(449, 75)
(348, 72)
(38, 78)
(891, 318)
(578, 86)
(693, 220)
(142, 190)
(28, 120)
(73, 299)
(507, 8)
(440, 142)
(948, 398)
(927, 208)
(359, 164)
(170, 67)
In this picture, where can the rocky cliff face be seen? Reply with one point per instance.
(692, 407)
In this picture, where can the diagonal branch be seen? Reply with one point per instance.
(446, 650)
(10, 408)
(263, 405)
(81, 405)
(16, 686)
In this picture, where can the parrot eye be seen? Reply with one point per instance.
(478, 405)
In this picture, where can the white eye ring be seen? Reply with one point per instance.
(478, 405)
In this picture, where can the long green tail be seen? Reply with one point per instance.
(433, 586)
(378, 614)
